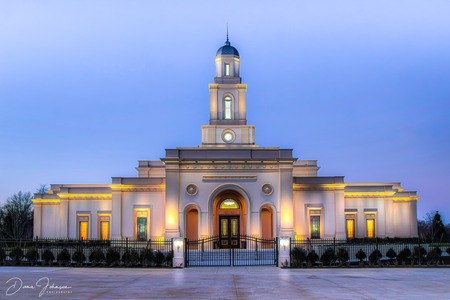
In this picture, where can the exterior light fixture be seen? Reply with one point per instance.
(284, 241)
(178, 244)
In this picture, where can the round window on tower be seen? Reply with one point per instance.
(228, 136)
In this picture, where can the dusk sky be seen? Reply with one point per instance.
(88, 88)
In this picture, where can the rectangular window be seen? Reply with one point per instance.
(370, 225)
(227, 108)
(315, 227)
(103, 227)
(83, 227)
(141, 223)
(350, 228)
(227, 69)
(142, 228)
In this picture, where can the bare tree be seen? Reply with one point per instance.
(43, 189)
(432, 227)
(16, 217)
(424, 225)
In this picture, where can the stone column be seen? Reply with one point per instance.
(116, 214)
(242, 108)
(37, 228)
(339, 214)
(172, 229)
(64, 219)
(286, 200)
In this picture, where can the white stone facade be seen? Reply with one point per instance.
(227, 186)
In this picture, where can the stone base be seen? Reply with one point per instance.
(178, 262)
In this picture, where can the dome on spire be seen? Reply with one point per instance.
(227, 49)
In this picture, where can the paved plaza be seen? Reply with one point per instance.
(224, 283)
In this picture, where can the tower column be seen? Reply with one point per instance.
(213, 107)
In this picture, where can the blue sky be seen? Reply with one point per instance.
(88, 88)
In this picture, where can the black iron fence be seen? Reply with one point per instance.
(71, 252)
(249, 251)
(331, 252)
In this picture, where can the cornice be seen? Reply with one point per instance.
(46, 201)
(230, 177)
(405, 199)
(137, 188)
(380, 194)
(227, 166)
(84, 196)
(319, 187)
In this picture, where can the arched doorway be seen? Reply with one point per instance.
(229, 218)
(192, 224)
(267, 223)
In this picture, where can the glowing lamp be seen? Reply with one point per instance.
(178, 244)
(284, 242)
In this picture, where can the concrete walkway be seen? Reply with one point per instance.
(224, 283)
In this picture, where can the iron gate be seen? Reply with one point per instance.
(252, 251)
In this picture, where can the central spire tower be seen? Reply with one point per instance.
(228, 108)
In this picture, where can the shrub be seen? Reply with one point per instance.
(16, 254)
(404, 255)
(312, 257)
(375, 256)
(2, 255)
(130, 257)
(328, 256)
(391, 254)
(169, 258)
(97, 255)
(32, 255)
(48, 256)
(112, 256)
(159, 258)
(437, 250)
(63, 256)
(434, 254)
(419, 252)
(342, 255)
(298, 256)
(147, 256)
(361, 255)
(78, 256)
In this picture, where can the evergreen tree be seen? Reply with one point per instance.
(438, 232)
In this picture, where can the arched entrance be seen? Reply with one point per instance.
(229, 218)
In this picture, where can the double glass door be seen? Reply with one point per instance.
(229, 231)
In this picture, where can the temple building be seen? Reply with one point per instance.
(228, 186)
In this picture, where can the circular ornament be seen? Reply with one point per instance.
(267, 189)
(228, 136)
(191, 189)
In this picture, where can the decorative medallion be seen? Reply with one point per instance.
(228, 136)
(267, 189)
(192, 189)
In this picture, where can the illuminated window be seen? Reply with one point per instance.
(227, 108)
(83, 227)
(229, 203)
(141, 225)
(350, 228)
(315, 227)
(227, 69)
(370, 226)
(103, 227)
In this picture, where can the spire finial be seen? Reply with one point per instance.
(227, 42)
